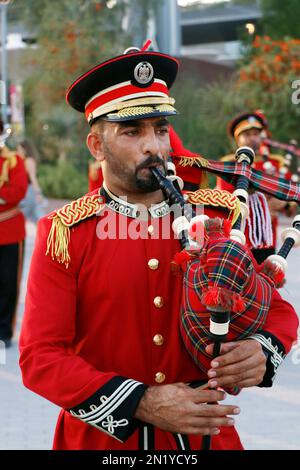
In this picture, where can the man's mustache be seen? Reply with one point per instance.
(151, 162)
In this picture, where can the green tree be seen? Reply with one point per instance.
(280, 18)
(71, 37)
(206, 109)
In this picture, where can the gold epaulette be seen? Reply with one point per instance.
(9, 163)
(64, 218)
(199, 161)
(216, 198)
(228, 158)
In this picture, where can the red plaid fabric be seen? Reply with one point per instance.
(278, 187)
(222, 266)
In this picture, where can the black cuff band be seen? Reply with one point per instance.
(274, 352)
(112, 407)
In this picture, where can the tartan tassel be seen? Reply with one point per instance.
(220, 297)
(274, 273)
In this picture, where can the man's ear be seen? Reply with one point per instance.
(94, 143)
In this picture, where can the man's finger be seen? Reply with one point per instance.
(248, 364)
(237, 354)
(205, 396)
(242, 384)
(225, 347)
(235, 380)
(208, 410)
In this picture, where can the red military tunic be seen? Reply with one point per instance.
(97, 332)
(13, 185)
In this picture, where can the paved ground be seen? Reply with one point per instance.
(270, 418)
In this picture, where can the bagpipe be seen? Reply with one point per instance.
(291, 165)
(225, 297)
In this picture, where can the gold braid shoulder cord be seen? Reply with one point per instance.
(64, 218)
(216, 198)
(87, 206)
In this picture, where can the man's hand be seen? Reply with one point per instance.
(241, 364)
(181, 409)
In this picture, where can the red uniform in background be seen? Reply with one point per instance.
(95, 176)
(13, 185)
(261, 225)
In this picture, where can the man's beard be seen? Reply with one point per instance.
(149, 183)
(133, 179)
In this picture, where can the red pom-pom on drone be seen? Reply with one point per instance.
(220, 297)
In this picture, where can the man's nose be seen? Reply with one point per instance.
(150, 144)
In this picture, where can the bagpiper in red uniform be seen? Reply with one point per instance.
(13, 185)
(101, 329)
(261, 226)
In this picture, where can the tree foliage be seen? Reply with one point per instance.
(280, 18)
(267, 82)
(70, 38)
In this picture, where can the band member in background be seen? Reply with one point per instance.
(34, 202)
(250, 129)
(100, 336)
(13, 185)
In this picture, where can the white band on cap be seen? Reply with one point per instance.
(218, 328)
(116, 87)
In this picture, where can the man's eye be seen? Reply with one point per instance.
(131, 132)
(163, 130)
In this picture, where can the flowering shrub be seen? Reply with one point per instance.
(274, 63)
(266, 81)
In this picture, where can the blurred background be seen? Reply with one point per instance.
(235, 55)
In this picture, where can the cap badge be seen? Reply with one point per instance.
(143, 73)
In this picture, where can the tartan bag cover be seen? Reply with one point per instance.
(221, 274)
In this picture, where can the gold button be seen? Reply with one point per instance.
(160, 377)
(158, 340)
(158, 302)
(153, 264)
(150, 229)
